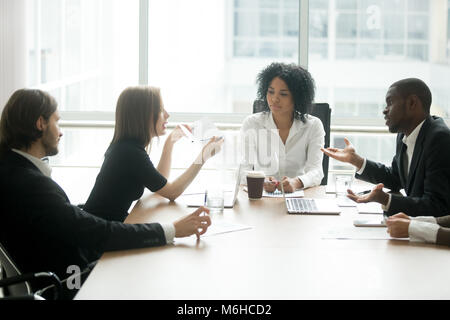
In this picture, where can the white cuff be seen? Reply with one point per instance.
(169, 232)
(422, 231)
(388, 205)
(304, 179)
(425, 219)
(360, 171)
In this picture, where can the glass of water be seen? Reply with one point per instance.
(215, 200)
(343, 182)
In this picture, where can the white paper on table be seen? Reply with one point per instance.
(279, 194)
(355, 233)
(222, 226)
(370, 208)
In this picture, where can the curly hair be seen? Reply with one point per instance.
(300, 84)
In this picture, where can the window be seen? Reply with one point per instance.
(207, 63)
(448, 30)
(205, 55)
(84, 52)
(370, 29)
(368, 45)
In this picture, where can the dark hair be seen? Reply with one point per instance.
(407, 87)
(299, 81)
(18, 123)
(137, 113)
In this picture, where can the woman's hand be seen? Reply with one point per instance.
(193, 224)
(212, 148)
(271, 184)
(178, 133)
(290, 184)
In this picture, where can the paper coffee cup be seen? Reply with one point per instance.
(255, 184)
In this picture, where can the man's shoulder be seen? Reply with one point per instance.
(438, 130)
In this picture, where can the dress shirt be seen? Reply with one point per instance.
(423, 229)
(410, 142)
(41, 165)
(301, 155)
(169, 232)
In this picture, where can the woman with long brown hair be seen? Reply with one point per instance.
(127, 169)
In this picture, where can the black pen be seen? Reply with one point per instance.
(206, 196)
(363, 192)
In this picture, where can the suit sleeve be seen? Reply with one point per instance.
(55, 218)
(436, 184)
(443, 221)
(443, 237)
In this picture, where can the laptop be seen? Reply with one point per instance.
(310, 206)
(229, 197)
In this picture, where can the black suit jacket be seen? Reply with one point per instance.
(427, 185)
(42, 231)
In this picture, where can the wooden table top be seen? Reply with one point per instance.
(281, 257)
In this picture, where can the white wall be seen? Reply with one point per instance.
(12, 48)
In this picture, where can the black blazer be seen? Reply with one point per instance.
(427, 185)
(43, 232)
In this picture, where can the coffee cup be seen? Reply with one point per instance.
(255, 184)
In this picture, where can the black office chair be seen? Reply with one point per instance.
(16, 286)
(321, 111)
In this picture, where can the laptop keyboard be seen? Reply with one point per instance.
(301, 205)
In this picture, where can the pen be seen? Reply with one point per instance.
(363, 192)
(206, 196)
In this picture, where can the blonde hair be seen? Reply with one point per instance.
(137, 113)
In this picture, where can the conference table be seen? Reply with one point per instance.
(280, 256)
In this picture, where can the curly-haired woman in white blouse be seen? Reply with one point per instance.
(283, 140)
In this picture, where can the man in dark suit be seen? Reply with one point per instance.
(39, 227)
(421, 165)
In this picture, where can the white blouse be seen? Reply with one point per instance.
(301, 155)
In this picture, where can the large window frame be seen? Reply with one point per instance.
(224, 120)
(102, 119)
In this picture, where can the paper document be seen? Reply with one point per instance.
(345, 202)
(355, 233)
(222, 226)
(370, 208)
(279, 194)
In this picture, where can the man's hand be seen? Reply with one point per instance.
(398, 227)
(401, 215)
(193, 224)
(376, 195)
(348, 154)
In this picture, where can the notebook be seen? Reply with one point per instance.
(229, 198)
